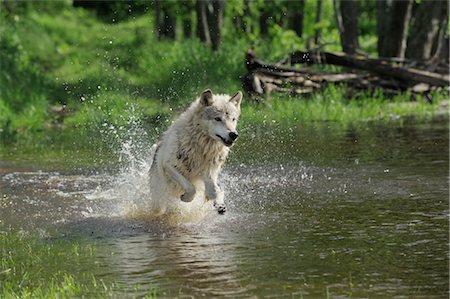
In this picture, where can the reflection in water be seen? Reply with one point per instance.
(180, 263)
(360, 213)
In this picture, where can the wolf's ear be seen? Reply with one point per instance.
(206, 98)
(236, 99)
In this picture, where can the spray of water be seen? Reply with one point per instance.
(129, 191)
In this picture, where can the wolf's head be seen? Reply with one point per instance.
(220, 115)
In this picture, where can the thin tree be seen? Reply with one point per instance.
(346, 12)
(264, 17)
(215, 23)
(169, 23)
(165, 21)
(186, 8)
(202, 21)
(317, 31)
(392, 27)
(428, 18)
(295, 16)
(246, 26)
(158, 19)
(441, 42)
(209, 21)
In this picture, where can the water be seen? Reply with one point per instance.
(313, 211)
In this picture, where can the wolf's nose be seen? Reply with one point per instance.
(233, 135)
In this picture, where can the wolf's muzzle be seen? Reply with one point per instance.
(228, 141)
(233, 136)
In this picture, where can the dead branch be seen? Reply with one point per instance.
(381, 67)
(391, 75)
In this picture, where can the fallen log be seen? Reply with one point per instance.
(263, 78)
(409, 76)
(390, 75)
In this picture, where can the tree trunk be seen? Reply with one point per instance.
(246, 27)
(347, 18)
(186, 8)
(216, 23)
(296, 14)
(202, 21)
(169, 24)
(427, 21)
(158, 19)
(317, 22)
(392, 26)
(187, 27)
(438, 51)
(264, 22)
(444, 54)
(238, 22)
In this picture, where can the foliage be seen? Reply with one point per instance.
(53, 54)
(89, 67)
(23, 87)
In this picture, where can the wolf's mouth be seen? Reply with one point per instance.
(225, 141)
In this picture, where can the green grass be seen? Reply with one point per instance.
(98, 69)
(331, 105)
(111, 73)
(30, 268)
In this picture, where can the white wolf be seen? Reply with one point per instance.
(192, 151)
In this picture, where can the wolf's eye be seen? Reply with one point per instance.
(217, 119)
(234, 119)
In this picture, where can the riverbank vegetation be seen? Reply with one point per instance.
(67, 67)
(29, 269)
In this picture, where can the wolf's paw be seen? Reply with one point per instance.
(221, 208)
(188, 196)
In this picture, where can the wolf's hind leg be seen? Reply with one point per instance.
(189, 189)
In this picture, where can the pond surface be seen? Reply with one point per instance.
(313, 211)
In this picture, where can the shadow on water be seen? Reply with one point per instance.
(355, 212)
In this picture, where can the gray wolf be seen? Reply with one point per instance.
(189, 157)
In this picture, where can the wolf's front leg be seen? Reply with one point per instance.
(189, 189)
(214, 192)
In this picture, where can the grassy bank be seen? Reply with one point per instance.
(29, 268)
(331, 105)
(62, 67)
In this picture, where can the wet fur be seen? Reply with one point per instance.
(190, 155)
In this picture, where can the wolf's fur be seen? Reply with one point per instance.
(193, 150)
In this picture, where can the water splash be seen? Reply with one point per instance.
(129, 192)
